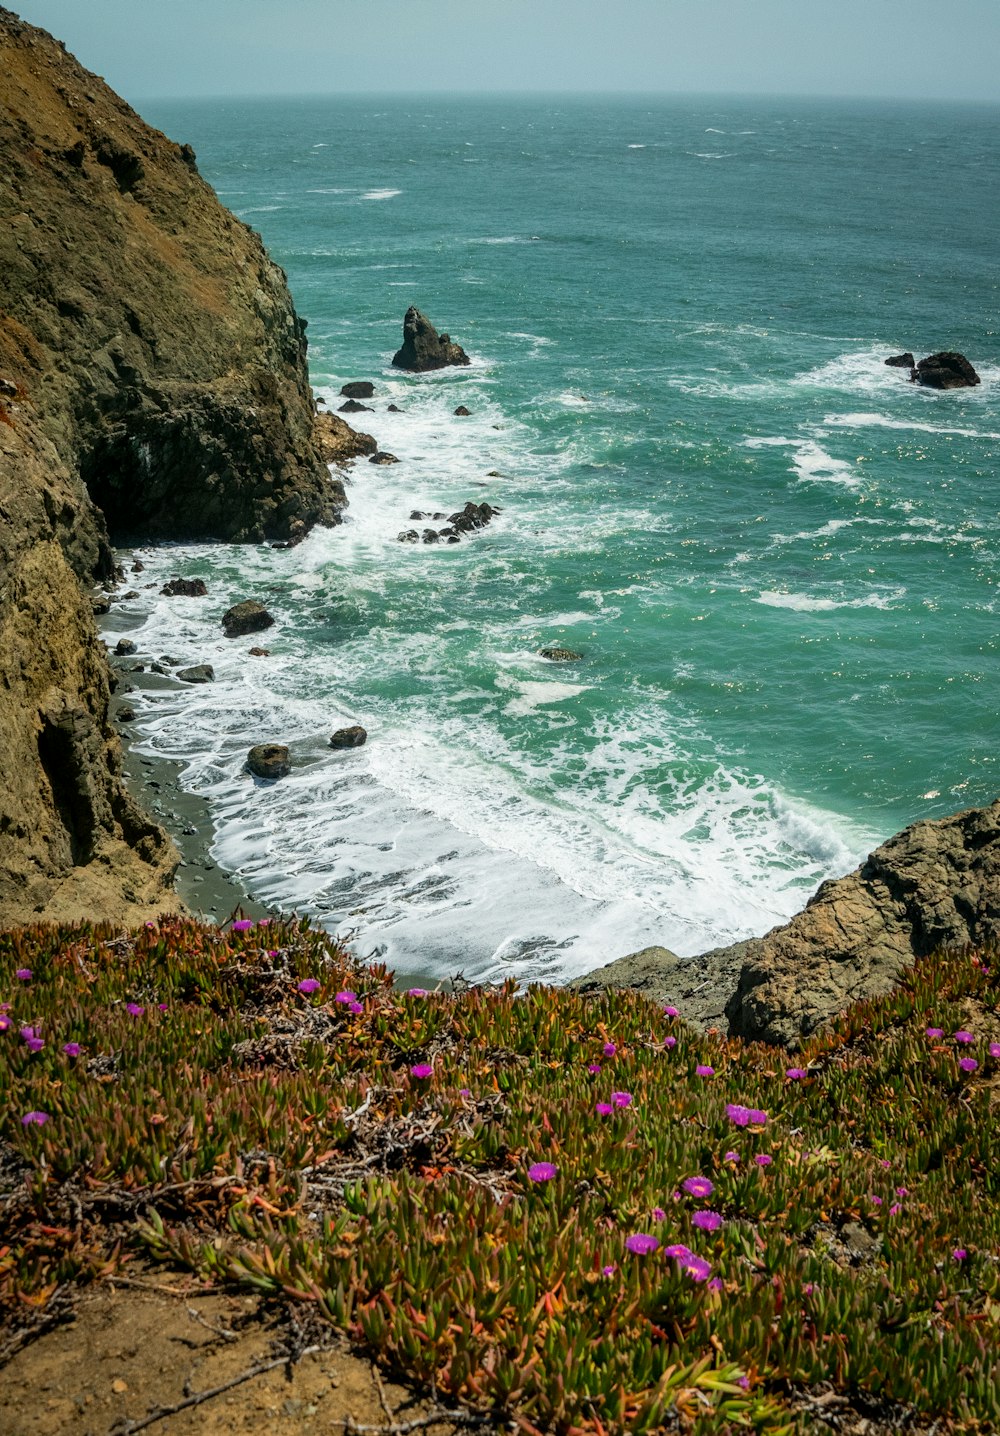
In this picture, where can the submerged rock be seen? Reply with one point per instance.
(560, 655)
(269, 760)
(353, 406)
(246, 617)
(947, 370)
(423, 348)
(353, 737)
(462, 412)
(380, 457)
(395, 409)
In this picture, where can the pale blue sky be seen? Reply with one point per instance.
(912, 49)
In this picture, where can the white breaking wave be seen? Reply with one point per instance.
(883, 421)
(381, 193)
(809, 603)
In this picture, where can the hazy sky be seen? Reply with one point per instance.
(902, 48)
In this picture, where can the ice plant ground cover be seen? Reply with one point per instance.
(486, 1227)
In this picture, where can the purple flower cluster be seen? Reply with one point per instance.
(742, 1116)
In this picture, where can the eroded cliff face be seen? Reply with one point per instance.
(153, 384)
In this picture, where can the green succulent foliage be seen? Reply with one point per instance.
(248, 1096)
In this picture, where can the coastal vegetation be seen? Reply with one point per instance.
(572, 1213)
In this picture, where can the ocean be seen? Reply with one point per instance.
(777, 558)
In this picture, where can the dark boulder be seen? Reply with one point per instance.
(462, 412)
(430, 536)
(125, 645)
(560, 655)
(100, 606)
(359, 389)
(184, 588)
(352, 406)
(395, 409)
(946, 370)
(383, 458)
(353, 737)
(269, 760)
(260, 653)
(472, 517)
(408, 536)
(246, 617)
(424, 348)
(138, 566)
(126, 713)
(200, 673)
(901, 361)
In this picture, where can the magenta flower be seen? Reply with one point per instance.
(593, 1068)
(134, 1009)
(795, 1074)
(622, 1099)
(885, 1163)
(344, 998)
(763, 1160)
(609, 1270)
(877, 1201)
(715, 1284)
(995, 1049)
(422, 1069)
(933, 1032)
(670, 1041)
(641, 1243)
(604, 1109)
(162, 1007)
(23, 974)
(670, 1012)
(744, 1381)
(706, 1221)
(37, 1119)
(310, 984)
(34, 1044)
(659, 1215)
(742, 1116)
(696, 1268)
(72, 1049)
(678, 1251)
(964, 1037)
(731, 1157)
(542, 1171)
(464, 1092)
(4, 1023)
(244, 925)
(902, 1191)
(609, 1049)
(968, 1064)
(703, 1070)
(698, 1187)
(416, 992)
(959, 1254)
(895, 1209)
(356, 1007)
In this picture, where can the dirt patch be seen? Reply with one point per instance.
(135, 1349)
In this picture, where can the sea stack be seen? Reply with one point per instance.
(424, 348)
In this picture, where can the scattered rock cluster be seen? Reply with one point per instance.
(467, 520)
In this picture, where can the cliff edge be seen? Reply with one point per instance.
(153, 384)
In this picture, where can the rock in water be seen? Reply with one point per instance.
(200, 673)
(560, 655)
(269, 760)
(354, 406)
(246, 617)
(424, 348)
(381, 457)
(462, 412)
(353, 737)
(188, 587)
(125, 645)
(902, 361)
(946, 370)
(360, 389)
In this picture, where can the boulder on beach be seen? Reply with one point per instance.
(184, 588)
(354, 406)
(353, 737)
(380, 457)
(199, 673)
(947, 370)
(358, 389)
(423, 348)
(125, 645)
(246, 617)
(269, 760)
(560, 655)
(902, 361)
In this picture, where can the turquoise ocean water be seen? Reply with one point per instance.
(778, 559)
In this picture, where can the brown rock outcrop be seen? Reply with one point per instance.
(423, 348)
(154, 384)
(338, 443)
(935, 885)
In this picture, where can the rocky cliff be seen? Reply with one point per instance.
(936, 885)
(153, 383)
